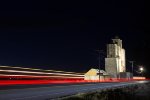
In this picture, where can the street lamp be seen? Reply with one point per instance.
(141, 70)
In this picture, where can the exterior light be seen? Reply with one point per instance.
(141, 69)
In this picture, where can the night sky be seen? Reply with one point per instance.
(66, 35)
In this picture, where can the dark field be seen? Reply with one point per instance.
(133, 92)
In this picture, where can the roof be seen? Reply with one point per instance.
(95, 71)
(101, 71)
(116, 37)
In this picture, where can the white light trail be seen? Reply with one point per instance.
(38, 76)
(38, 72)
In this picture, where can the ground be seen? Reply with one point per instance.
(134, 92)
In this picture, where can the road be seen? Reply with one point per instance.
(50, 92)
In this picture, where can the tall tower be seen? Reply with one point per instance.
(115, 60)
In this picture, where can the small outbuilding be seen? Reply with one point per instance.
(93, 74)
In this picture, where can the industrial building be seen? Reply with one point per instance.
(115, 62)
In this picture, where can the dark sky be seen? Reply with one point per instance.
(65, 35)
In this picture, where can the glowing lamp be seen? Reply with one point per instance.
(141, 69)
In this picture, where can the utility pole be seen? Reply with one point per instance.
(99, 62)
(132, 62)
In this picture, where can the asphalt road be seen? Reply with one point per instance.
(48, 92)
